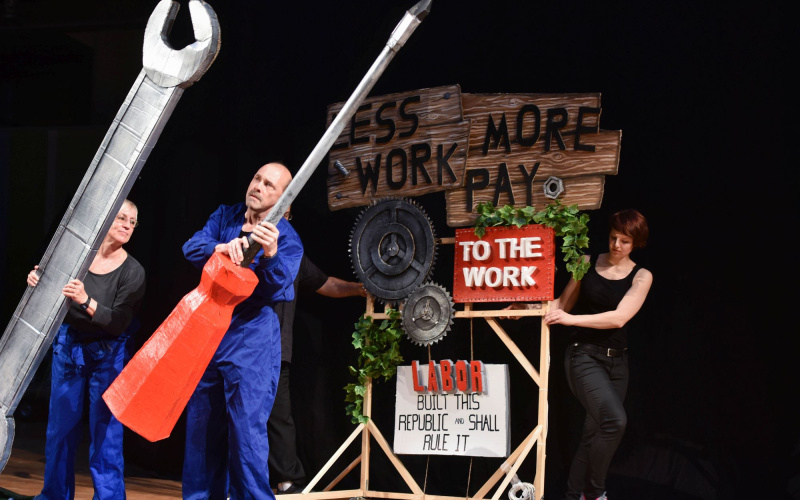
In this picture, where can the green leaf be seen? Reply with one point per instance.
(519, 221)
(379, 355)
(568, 222)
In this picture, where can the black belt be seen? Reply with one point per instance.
(604, 351)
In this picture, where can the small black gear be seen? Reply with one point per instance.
(393, 248)
(428, 314)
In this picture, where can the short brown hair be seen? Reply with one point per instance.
(631, 223)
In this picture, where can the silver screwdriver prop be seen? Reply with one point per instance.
(411, 19)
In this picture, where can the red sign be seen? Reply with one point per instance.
(508, 264)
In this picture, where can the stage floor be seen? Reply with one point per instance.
(24, 471)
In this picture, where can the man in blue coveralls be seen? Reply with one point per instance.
(226, 417)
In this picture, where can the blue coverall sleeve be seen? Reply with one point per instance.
(200, 246)
(277, 274)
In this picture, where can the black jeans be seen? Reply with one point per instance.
(599, 382)
(284, 465)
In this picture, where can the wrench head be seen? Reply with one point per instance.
(168, 67)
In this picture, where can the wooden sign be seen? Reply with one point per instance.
(518, 141)
(508, 264)
(451, 408)
(405, 144)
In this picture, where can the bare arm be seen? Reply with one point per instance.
(627, 308)
(337, 288)
(566, 301)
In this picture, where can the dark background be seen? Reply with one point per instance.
(699, 91)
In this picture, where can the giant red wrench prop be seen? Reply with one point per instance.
(151, 392)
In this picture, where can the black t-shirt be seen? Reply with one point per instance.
(118, 295)
(598, 295)
(309, 279)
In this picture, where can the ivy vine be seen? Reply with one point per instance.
(568, 222)
(379, 354)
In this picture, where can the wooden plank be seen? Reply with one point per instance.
(411, 496)
(333, 458)
(398, 465)
(436, 106)
(563, 164)
(515, 350)
(396, 496)
(586, 192)
(569, 162)
(343, 474)
(468, 312)
(514, 468)
(544, 388)
(366, 410)
(533, 436)
(323, 495)
(499, 313)
(368, 164)
(518, 141)
(479, 107)
(388, 133)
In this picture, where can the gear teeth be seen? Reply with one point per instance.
(382, 289)
(445, 307)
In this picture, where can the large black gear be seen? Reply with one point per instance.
(428, 314)
(393, 248)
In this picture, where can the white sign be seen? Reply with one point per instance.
(470, 419)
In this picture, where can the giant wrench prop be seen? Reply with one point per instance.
(165, 75)
(152, 390)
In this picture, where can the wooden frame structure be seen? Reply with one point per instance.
(506, 471)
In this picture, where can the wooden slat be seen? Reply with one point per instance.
(533, 436)
(398, 465)
(366, 410)
(478, 107)
(563, 164)
(344, 192)
(544, 388)
(333, 458)
(514, 468)
(515, 350)
(586, 192)
(499, 313)
(323, 495)
(440, 123)
(343, 474)
(469, 312)
(437, 106)
(396, 495)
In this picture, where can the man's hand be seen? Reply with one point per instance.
(520, 306)
(266, 234)
(337, 288)
(234, 249)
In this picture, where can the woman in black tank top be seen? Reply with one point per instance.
(598, 309)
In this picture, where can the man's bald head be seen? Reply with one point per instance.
(267, 186)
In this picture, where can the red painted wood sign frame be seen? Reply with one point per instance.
(509, 264)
